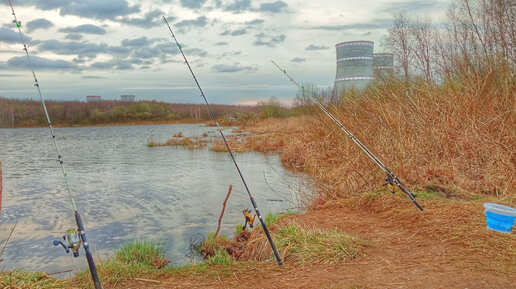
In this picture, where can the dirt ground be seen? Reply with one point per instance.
(446, 246)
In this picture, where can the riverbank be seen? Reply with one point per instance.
(447, 245)
(132, 123)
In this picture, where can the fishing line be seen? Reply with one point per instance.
(72, 239)
(391, 178)
(265, 230)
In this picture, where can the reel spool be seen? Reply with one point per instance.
(71, 241)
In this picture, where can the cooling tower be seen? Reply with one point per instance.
(354, 65)
(383, 64)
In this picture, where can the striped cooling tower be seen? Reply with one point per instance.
(354, 65)
(383, 64)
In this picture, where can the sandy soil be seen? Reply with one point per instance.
(446, 246)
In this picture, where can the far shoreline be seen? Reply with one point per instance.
(132, 123)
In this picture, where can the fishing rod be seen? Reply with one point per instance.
(265, 230)
(73, 239)
(391, 179)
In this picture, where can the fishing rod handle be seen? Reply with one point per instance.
(410, 195)
(89, 256)
(276, 253)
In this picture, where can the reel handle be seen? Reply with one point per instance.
(57, 243)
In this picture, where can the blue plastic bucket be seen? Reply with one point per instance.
(499, 217)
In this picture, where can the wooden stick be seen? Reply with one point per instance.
(223, 208)
(60, 272)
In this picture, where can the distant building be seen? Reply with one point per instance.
(357, 65)
(128, 97)
(92, 98)
(383, 64)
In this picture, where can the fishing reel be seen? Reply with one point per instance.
(249, 219)
(389, 183)
(71, 241)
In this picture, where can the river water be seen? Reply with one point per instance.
(125, 191)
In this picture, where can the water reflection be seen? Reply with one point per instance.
(125, 191)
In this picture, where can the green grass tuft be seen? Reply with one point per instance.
(238, 229)
(221, 257)
(271, 218)
(317, 246)
(141, 259)
(144, 253)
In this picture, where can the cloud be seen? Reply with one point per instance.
(38, 24)
(73, 37)
(112, 64)
(316, 47)
(373, 24)
(230, 54)
(200, 21)
(98, 9)
(92, 77)
(196, 52)
(78, 60)
(231, 68)
(237, 32)
(144, 53)
(412, 6)
(11, 36)
(254, 22)
(221, 43)
(273, 7)
(166, 48)
(238, 6)
(44, 5)
(81, 49)
(151, 19)
(192, 4)
(85, 28)
(139, 42)
(41, 63)
(298, 59)
(264, 40)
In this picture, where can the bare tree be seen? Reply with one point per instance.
(399, 41)
(422, 34)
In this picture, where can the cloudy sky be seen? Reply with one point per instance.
(114, 47)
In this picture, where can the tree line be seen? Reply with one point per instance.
(29, 113)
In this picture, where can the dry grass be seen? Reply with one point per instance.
(294, 243)
(188, 143)
(304, 245)
(454, 140)
(20, 279)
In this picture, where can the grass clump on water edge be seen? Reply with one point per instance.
(140, 259)
(220, 256)
(317, 246)
(143, 252)
(271, 217)
(21, 279)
